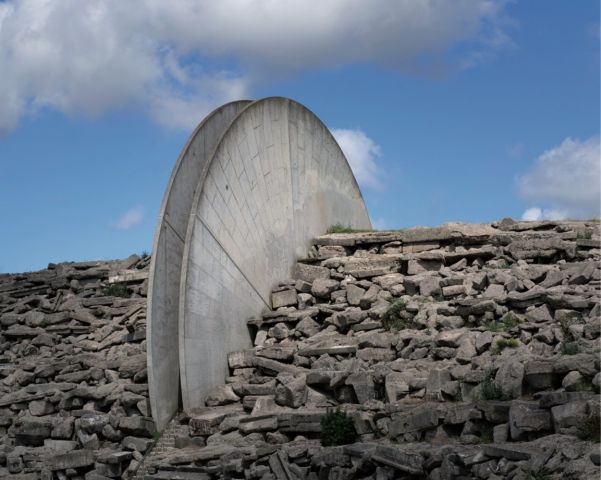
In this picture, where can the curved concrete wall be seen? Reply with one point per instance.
(166, 262)
(277, 178)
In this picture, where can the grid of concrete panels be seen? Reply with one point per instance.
(217, 293)
(277, 178)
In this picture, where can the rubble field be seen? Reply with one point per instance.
(456, 352)
(73, 389)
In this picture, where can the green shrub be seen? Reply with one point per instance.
(569, 348)
(486, 433)
(397, 317)
(489, 390)
(584, 386)
(337, 428)
(504, 343)
(584, 234)
(540, 475)
(339, 228)
(118, 289)
(507, 322)
(144, 254)
(589, 429)
(566, 322)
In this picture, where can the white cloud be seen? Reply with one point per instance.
(176, 60)
(537, 213)
(129, 219)
(564, 182)
(361, 153)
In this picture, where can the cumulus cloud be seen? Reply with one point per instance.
(129, 219)
(361, 153)
(537, 213)
(176, 60)
(564, 182)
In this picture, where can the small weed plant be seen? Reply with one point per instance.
(569, 345)
(489, 390)
(337, 428)
(340, 228)
(504, 343)
(539, 475)
(509, 321)
(590, 428)
(397, 317)
(569, 348)
(584, 386)
(486, 433)
(116, 290)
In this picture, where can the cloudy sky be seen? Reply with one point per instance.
(462, 110)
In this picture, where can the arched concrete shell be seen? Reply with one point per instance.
(166, 262)
(275, 179)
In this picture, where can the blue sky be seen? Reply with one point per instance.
(470, 110)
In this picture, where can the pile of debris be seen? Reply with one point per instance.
(464, 351)
(73, 388)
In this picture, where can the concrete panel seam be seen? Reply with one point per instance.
(267, 304)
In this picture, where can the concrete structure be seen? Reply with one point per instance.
(275, 178)
(166, 262)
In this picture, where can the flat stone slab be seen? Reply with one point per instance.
(74, 459)
(508, 451)
(334, 350)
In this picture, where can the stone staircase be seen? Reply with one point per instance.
(164, 443)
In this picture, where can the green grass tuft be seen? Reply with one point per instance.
(116, 290)
(489, 390)
(507, 322)
(397, 317)
(339, 228)
(584, 386)
(569, 348)
(504, 343)
(486, 433)
(590, 428)
(337, 428)
(539, 475)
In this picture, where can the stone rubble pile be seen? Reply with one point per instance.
(73, 389)
(463, 351)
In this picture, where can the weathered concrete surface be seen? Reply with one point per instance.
(277, 179)
(165, 270)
